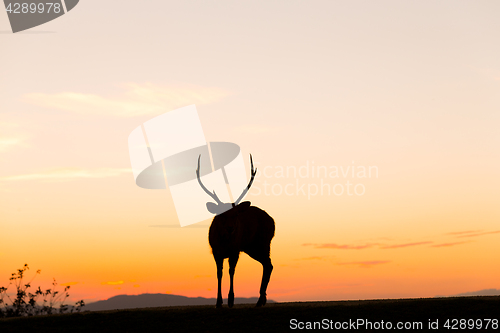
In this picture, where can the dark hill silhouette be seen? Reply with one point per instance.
(483, 292)
(156, 300)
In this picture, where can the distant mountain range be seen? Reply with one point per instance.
(157, 300)
(484, 292)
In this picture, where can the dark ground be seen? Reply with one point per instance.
(272, 318)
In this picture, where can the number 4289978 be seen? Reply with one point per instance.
(457, 324)
(24, 8)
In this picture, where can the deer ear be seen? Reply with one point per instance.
(243, 206)
(212, 208)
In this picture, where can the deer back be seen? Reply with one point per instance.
(239, 229)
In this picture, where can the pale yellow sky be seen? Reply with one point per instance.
(409, 87)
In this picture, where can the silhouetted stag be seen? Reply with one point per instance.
(239, 227)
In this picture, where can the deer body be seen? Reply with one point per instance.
(247, 229)
(243, 228)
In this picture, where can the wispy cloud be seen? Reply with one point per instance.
(471, 233)
(363, 246)
(113, 283)
(458, 233)
(365, 264)
(7, 143)
(340, 247)
(311, 258)
(69, 174)
(448, 244)
(138, 100)
(10, 136)
(479, 234)
(178, 226)
(405, 245)
(67, 284)
(461, 234)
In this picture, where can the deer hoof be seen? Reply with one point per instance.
(261, 302)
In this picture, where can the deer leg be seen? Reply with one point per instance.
(266, 275)
(233, 260)
(220, 262)
(264, 258)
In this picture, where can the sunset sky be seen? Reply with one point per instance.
(410, 89)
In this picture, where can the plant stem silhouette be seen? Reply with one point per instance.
(25, 303)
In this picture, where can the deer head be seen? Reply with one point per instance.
(220, 207)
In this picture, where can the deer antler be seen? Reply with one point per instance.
(253, 172)
(213, 196)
